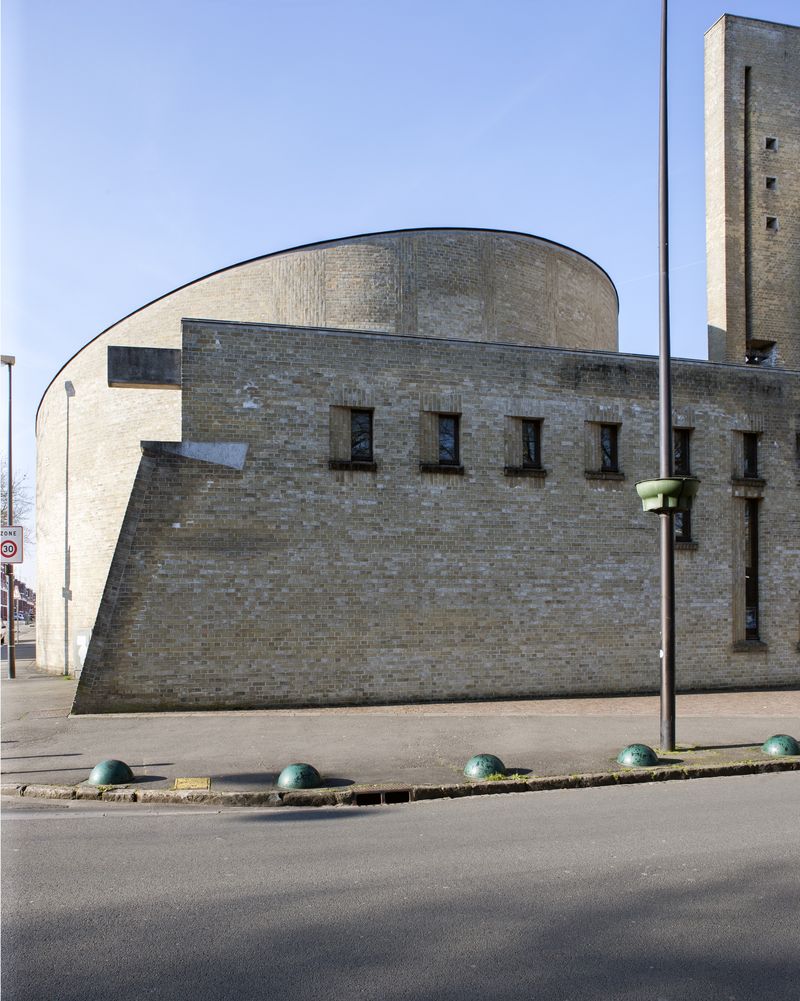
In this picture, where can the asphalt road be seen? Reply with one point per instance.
(663, 892)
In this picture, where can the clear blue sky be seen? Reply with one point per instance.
(148, 142)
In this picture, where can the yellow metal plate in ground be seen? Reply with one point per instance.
(193, 783)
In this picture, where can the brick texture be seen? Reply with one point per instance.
(752, 81)
(482, 285)
(289, 583)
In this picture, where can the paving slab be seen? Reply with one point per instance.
(408, 745)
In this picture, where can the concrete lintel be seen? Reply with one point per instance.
(218, 453)
(144, 368)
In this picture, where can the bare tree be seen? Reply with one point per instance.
(23, 497)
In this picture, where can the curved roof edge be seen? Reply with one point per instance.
(313, 246)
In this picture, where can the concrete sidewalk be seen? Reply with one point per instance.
(395, 746)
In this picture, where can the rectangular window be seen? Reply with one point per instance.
(361, 435)
(448, 440)
(351, 439)
(681, 447)
(751, 570)
(682, 521)
(531, 444)
(609, 452)
(750, 454)
(772, 183)
(771, 143)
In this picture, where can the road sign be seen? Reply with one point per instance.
(11, 544)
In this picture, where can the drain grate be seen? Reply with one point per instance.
(397, 796)
(385, 798)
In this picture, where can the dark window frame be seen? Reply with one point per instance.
(609, 457)
(682, 523)
(682, 451)
(531, 430)
(368, 454)
(750, 455)
(455, 460)
(751, 602)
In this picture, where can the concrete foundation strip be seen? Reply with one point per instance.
(391, 794)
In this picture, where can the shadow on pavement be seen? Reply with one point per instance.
(246, 778)
(271, 779)
(290, 814)
(724, 747)
(37, 771)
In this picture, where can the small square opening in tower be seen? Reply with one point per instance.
(772, 223)
(772, 183)
(770, 142)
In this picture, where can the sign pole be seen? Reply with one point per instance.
(10, 638)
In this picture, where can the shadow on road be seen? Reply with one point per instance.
(292, 814)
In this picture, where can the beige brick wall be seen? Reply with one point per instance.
(443, 283)
(289, 583)
(752, 92)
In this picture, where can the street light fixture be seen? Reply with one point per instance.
(10, 625)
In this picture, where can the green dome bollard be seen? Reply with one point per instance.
(781, 745)
(299, 776)
(110, 773)
(637, 756)
(481, 766)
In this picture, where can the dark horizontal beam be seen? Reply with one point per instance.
(144, 368)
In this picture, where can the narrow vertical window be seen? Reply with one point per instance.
(681, 444)
(751, 570)
(361, 435)
(609, 453)
(682, 523)
(532, 444)
(448, 440)
(750, 454)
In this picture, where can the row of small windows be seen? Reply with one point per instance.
(448, 444)
(771, 143)
(771, 184)
(445, 453)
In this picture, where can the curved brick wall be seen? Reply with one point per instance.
(464, 284)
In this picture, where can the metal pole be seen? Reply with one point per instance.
(665, 419)
(10, 638)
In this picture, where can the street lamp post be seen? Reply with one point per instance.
(666, 459)
(12, 650)
(669, 494)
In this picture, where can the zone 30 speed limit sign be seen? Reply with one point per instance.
(11, 544)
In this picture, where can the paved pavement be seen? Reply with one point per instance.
(403, 745)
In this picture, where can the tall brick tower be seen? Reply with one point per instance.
(752, 121)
